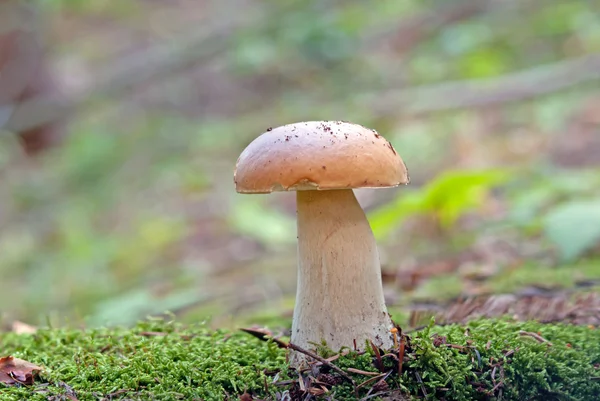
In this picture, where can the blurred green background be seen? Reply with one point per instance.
(129, 209)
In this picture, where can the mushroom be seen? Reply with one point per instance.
(339, 297)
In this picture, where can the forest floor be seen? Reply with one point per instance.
(163, 360)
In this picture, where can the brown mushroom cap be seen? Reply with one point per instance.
(318, 155)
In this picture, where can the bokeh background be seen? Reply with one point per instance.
(121, 122)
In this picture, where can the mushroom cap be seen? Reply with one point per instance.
(318, 155)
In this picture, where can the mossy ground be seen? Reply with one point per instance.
(161, 360)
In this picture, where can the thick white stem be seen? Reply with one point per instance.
(339, 297)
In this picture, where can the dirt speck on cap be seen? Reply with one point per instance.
(269, 129)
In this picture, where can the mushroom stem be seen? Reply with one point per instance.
(339, 296)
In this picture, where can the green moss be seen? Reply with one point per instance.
(186, 363)
(477, 362)
(567, 369)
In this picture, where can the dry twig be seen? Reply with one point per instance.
(323, 361)
(535, 336)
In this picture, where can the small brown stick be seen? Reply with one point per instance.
(379, 377)
(324, 388)
(322, 360)
(535, 336)
(301, 383)
(265, 335)
(330, 359)
(498, 384)
(496, 387)
(362, 372)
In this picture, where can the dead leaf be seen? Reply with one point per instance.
(15, 370)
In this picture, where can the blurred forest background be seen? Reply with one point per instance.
(121, 122)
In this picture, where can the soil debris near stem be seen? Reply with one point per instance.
(487, 363)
